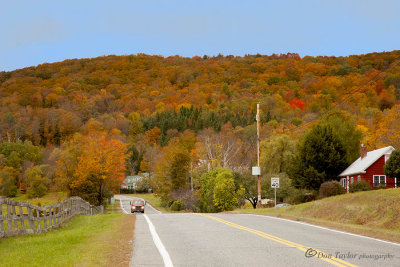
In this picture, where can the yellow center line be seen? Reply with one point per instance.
(319, 254)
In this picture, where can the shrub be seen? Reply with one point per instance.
(331, 188)
(7, 186)
(143, 185)
(224, 196)
(359, 186)
(217, 191)
(304, 196)
(189, 200)
(38, 184)
(37, 189)
(127, 191)
(176, 205)
(381, 186)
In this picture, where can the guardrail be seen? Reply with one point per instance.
(17, 217)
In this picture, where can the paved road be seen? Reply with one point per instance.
(185, 239)
(126, 208)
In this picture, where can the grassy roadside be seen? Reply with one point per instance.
(371, 213)
(150, 198)
(99, 240)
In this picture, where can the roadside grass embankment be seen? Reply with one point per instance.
(150, 198)
(373, 213)
(98, 240)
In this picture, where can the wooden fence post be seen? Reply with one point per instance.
(30, 219)
(1, 215)
(21, 217)
(14, 216)
(9, 217)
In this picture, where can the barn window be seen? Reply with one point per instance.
(359, 178)
(352, 180)
(343, 182)
(379, 179)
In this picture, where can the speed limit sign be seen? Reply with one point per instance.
(275, 182)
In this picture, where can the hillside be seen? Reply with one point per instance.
(48, 103)
(68, 125)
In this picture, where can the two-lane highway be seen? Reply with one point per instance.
(185, 239)
(126, 207)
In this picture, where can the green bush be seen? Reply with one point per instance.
(143, 185)
(218, 192)
(176, 205)
(331, 188)
(38, 189)
(304, 196)
(7, 186)
(381, 186)
(359, 186)
(38, 184)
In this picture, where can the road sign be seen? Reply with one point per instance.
(256, 170)
(275, 182)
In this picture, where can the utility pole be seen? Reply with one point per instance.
(258, 156)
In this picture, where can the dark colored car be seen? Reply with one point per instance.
(137, 205)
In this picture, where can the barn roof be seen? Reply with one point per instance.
(361, 165)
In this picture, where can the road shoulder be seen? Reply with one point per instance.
(389, 235)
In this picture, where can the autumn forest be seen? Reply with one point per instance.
(82, 125)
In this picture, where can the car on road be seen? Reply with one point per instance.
(137, 206)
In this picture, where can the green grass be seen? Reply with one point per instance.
(73, 245)
(153, 200)
(52, 197)
(369, 211)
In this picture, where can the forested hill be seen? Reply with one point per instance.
(47, 104)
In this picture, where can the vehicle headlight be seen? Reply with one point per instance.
(142, 207)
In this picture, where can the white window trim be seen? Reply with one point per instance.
(343, 182)
(379, 179)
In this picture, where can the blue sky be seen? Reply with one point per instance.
(37, 31)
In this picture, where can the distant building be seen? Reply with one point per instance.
(130, 181)
(369, 167)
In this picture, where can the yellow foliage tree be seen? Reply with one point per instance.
(388, 129)
(100, 169)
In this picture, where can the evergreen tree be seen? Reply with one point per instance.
(321, 157)
(392, 167)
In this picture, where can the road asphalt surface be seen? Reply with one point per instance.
(186, 239)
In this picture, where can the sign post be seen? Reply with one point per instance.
(275, 184)
(256, 171)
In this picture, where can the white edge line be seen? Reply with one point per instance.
(122, 207)
(324, 228)
(159, 244)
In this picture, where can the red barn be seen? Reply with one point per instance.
(369, 167)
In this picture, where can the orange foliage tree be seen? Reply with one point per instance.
(100, 169)
(388, 129)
